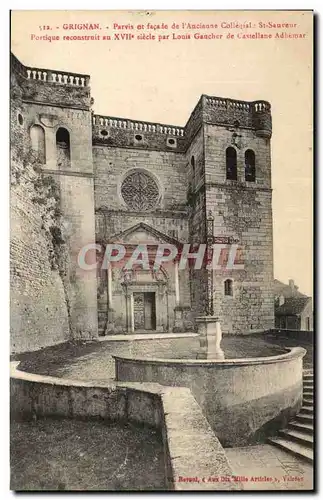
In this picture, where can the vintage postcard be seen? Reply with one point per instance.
(161, 250)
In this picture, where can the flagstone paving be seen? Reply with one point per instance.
(264, 467)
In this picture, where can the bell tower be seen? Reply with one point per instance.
(238, 195)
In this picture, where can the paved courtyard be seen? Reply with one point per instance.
(93, 361)
(265, 467)
(46, 464)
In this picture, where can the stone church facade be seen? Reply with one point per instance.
(133, 182)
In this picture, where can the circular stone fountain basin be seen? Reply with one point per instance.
(244, 399)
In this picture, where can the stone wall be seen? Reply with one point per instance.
(39, 311)
(41, 104)
(111, 165)
(191, 449)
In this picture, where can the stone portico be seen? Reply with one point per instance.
(139, 299)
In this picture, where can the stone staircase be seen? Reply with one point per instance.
(298, 437)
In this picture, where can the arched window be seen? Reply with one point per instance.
(63, 149)
(228, 287)
(250, 165)
(231, 164)
(37, 137)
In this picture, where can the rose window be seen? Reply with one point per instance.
(140, 191)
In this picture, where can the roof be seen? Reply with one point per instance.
(286, 291)
(293, 306)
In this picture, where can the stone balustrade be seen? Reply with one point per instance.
(60, 77)
(212, 107)
(121, 123)
(255, 106)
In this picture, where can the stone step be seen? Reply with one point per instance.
(308, 387)
(307, 404)
(304, 417)
(307, 409)
(297, 436)
(308, 378)
(308, 394)
(301, 426)
(296, 449)
(308, 401)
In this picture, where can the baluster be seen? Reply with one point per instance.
(44, 76)
(28, 74)
(82, 82)
(77, 79)
(71, 79)
(34, 75)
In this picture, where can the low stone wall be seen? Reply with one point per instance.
(307, 335)
(194, 457)
(243, 399)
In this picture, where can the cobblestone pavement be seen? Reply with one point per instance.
(264, 467)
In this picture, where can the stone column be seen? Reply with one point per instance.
(111, 327)
(177, 298)
(130, 313)
(109, 273)
(178, 311)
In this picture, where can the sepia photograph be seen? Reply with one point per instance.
(161, 250)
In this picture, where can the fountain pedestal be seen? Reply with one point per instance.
(210, 335)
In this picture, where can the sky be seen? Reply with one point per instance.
(161, 81)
